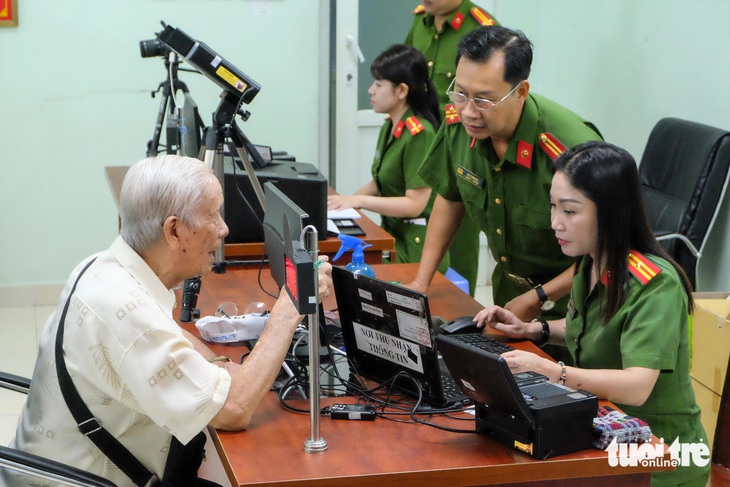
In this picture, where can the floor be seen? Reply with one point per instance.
(20, 328)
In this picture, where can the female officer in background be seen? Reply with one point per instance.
(403, 91)
(626, 326)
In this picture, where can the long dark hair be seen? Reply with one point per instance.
(607, 175)
(404, 64)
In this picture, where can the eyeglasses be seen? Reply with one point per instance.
(229, 310)
(481, 103)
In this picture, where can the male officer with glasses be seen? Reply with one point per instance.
(493, 159)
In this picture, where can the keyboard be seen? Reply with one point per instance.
(484, 342)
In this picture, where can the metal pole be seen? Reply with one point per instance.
(315, 443)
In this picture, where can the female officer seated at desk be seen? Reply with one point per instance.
(403, 91)
(626, 327)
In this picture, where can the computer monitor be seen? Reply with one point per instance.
(289, 261)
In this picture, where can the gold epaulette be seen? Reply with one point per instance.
(482, 17)
(551, 145)
(419, 10)
(414, 125)
(642, 268)
(450, 115)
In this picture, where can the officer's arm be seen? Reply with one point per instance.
(527, 306)
(445, 219)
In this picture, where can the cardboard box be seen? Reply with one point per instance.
(711, 340)
(709, 402)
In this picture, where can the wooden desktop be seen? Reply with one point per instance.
(382, 452)
(380, 241)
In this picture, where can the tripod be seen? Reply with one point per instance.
(224, 129)
(175, 126)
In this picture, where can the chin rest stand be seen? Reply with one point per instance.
(225, 128)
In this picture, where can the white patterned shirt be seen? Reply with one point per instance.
(132, 365)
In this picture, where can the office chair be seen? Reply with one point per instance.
(684, 175)
(39, 467)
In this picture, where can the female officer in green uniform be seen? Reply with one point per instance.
(403, 90)
(626, 326)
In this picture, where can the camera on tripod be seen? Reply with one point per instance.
(153, 48)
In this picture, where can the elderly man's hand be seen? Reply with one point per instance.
(325, 278)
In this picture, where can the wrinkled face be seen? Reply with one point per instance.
(441, 7)
(486, 80)
(573, 218)
(198, 245)
(383, 96)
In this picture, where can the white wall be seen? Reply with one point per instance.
(75, 97)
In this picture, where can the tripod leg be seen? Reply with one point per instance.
(154, 144)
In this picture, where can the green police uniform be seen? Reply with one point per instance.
(440, 49)
(650, 330)
(509, 198)
(398, 154)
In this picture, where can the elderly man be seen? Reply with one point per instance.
(148, 382)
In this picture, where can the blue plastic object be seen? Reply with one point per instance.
(358, 265)
(457, 279)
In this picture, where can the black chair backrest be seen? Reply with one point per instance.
(683, 172)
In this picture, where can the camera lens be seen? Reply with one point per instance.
(151, 48)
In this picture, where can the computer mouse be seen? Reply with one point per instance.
(463, 324)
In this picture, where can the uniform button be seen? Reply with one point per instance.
(525, 153)
(497, 201)
(436, 37)
(499, 231)
(503, 258)
(449, 75)
(418, 240)
(430, 64)
(497, 169)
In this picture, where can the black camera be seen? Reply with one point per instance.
(152, 48)
(191, 289)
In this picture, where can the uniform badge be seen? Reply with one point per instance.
(414, 125)
(482, 17)
(457, 21)
(450, 114)
(398, 131)
(524, 154)
(642, 268)
(551, 145)
(639, 266)
(469, 176)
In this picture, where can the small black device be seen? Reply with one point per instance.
(300, 181)
(289, 262)
(348, 226)
(191, 289)
(525, 411)
(463, 324)
(358, 412)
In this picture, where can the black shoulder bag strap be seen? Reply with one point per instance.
(86, 421)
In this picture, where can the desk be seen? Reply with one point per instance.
(382, 452)
(380, 240)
